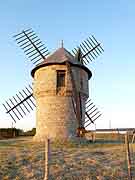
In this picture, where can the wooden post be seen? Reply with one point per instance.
(14, 132)
(95, 133)
(47, 158)
(128, 156)
(133, 138)
(118, 134)
(75, 95)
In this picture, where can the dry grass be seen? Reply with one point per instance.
(21, 159)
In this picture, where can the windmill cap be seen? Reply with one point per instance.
(61, 56)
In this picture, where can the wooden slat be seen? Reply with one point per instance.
(75, 95)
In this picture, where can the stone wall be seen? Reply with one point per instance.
(55, 114)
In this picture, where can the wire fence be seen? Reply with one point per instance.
(23, 159)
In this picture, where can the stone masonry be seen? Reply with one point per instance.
(55, 116)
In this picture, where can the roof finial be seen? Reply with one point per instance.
(62, 43)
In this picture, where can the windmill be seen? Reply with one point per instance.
(60, 87)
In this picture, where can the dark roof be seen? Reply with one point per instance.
(60, 56)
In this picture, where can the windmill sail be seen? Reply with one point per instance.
(91, 114)
(90, 49)
(18, 106)
(32, 46)
(23, 102)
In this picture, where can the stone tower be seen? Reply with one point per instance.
(52, 89)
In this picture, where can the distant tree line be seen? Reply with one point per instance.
(13, 132)
(31, 132)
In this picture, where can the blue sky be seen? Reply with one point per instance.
(112, 22)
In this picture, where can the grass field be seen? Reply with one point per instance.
(21, 159)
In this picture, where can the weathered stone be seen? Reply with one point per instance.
(55, 116)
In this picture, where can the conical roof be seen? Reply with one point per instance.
(60, 56)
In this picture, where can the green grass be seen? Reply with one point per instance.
(23, 159)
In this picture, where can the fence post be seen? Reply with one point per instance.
(133, 138)
(128, 156)
(94, 135)
(47, 158)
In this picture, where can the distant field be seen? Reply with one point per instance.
(21, 159)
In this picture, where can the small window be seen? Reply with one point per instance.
(60, 78)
